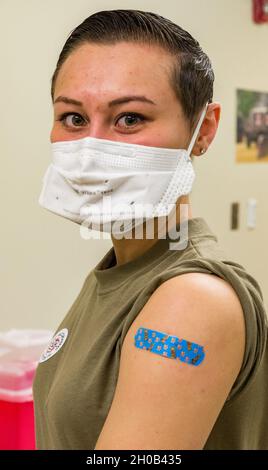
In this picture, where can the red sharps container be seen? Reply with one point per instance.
(20, 351)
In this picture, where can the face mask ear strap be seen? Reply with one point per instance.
(199, 124)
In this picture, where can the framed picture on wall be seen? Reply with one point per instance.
(252, 127)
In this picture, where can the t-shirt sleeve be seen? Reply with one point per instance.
(251, 299)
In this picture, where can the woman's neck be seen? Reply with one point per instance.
(127, 249)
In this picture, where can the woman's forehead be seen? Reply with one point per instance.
(127, 67)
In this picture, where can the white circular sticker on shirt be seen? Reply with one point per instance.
(54, 345)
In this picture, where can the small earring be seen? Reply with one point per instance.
(202, 151)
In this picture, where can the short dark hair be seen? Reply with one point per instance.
(191, 77)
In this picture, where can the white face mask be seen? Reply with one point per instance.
(103, 182)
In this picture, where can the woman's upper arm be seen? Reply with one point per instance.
(164, 403)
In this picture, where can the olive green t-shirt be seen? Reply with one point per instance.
(74, 387)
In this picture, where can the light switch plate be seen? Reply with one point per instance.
(251, 215)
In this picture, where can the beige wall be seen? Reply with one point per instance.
(43, 258)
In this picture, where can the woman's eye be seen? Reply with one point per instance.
(76, 122)
(130, 119)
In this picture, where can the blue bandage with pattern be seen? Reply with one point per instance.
(169, 346)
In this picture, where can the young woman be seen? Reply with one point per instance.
(164, 347)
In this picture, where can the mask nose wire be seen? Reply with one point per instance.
(197, 129)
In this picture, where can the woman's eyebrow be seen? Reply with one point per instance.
(65, 99)
(123, 99)
(126, 99)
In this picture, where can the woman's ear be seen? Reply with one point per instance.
(208, 129)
